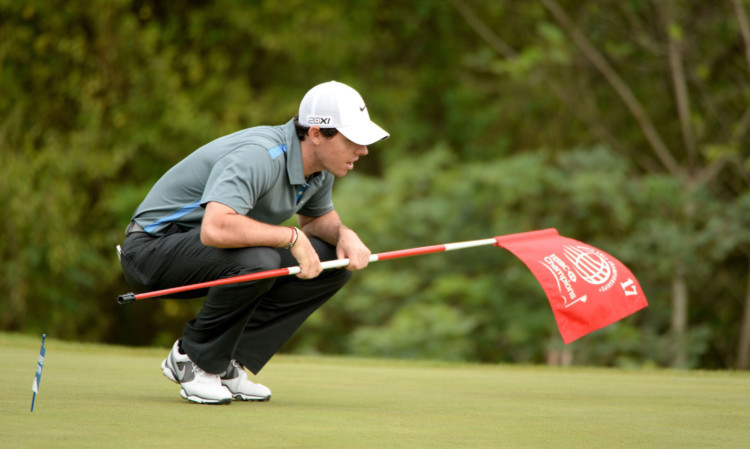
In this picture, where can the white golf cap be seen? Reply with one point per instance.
(336, 105)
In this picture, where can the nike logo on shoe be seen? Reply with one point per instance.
(183, 374)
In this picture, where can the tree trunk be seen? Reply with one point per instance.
(743, 355)
(679, 320)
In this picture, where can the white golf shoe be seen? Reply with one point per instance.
(235, 379)
(197, 385)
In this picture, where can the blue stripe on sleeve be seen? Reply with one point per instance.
(277, 151)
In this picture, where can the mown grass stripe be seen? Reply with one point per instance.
(103, 396)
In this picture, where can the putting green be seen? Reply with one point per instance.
(94, 396)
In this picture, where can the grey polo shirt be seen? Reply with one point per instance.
(257, 172)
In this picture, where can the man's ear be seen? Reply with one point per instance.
(314, 134)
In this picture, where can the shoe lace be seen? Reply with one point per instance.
(203, 375)
(236, 364)
(234, 369)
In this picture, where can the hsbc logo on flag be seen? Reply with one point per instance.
(593, 266)
(586, 263)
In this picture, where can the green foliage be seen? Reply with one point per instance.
(98, 99)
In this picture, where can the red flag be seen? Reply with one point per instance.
(586, 287)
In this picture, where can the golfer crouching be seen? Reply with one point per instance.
(218, 213)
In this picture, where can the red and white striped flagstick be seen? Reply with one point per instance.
(338, 263)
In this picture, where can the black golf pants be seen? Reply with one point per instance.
(248, 321)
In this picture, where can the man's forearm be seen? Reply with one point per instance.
(222, 227)
(327, 227)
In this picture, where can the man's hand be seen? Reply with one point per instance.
(329, 228)
(307, 257)
(351, 247)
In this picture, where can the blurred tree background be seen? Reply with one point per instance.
(623, 124)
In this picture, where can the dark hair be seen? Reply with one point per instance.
(302, 130)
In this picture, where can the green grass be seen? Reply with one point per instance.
(102, 396)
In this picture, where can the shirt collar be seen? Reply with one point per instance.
(294, 167)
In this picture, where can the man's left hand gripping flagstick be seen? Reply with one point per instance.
(38, 376)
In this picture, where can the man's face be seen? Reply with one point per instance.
(338, 154)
